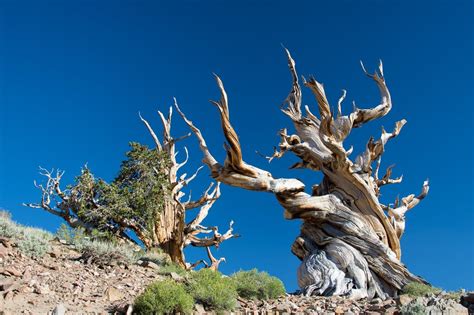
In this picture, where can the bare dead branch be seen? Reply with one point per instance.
(152, 133)
(361, 116)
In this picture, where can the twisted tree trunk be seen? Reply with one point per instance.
(349, 242)
(171, 232)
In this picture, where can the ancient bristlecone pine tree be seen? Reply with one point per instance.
(349, 242)
(129, 204)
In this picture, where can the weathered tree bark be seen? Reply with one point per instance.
(172, 233)
(169, 232)
(349, 242)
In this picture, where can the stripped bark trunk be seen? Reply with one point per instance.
(171, 233)
(349, 242)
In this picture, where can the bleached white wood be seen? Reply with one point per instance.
(349, 242)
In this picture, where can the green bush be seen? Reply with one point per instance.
(257, 285)
(30, 241)
(213, 290)
(413, 308)
(170, 267)
(164, 297)
(417, 289)
(455, 295)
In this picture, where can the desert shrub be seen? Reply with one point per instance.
(34, 242)
(70, 235)
(257, 285)
(5, 214)
(417, 289)
(95, 248)
(30, 241)
(156, 256)
(213, 290)
(413, 308)
(164, 297)
(170, 267)
(103, 252)
(455, 295)
(8, 228)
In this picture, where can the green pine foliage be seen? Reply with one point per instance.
(136, 195)
(253, 284)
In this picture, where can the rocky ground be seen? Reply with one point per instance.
(297, 304)
(60, 282)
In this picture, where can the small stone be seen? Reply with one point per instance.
(459, 309)
(11, 271)
(176, 277)
(404, 299)
(9, 286)
(54, 252)
(151, 265)
(282, 307)
(60, 309)
(391, 310)
(9, 296)
(4, 251)
(42, 289)
(5, 242)
(199, 308)
(376, 301)
(113, 294)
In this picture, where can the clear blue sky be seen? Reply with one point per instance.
(74, 74)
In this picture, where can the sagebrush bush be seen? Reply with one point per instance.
(97, 250)
(455, 295)
(30, 241)
(213, 290)
(413, 308)
(5, 214)
(170, 267)
(70, 235)
(253, 284)
(417, 289)
(156, 256)
(101, 252)
(164, 297)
